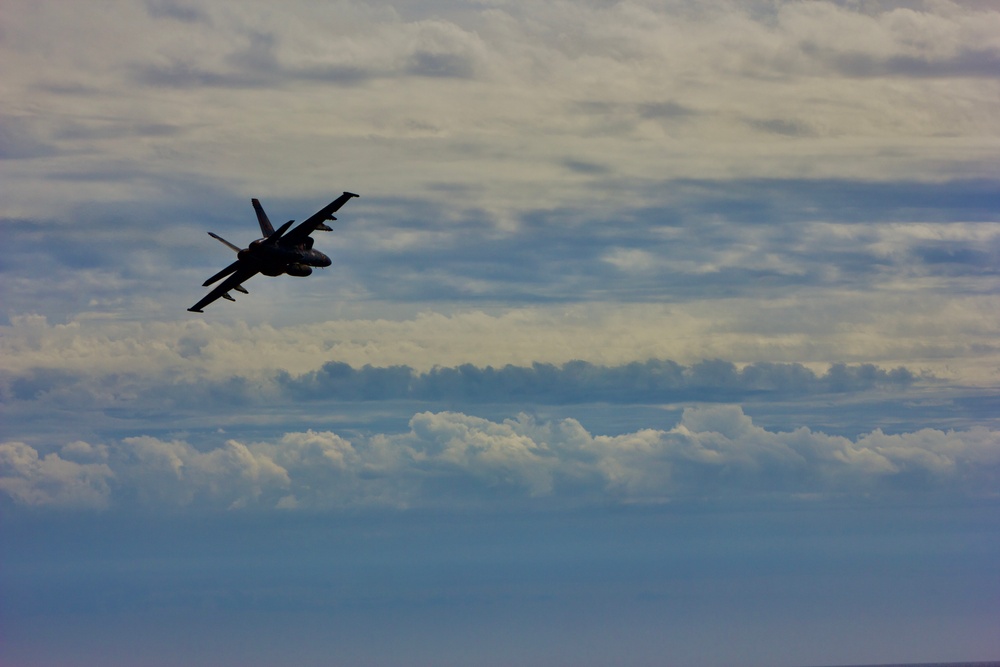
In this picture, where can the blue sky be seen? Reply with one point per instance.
(660, 332)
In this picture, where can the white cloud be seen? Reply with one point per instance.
(455, 459)
(498, 454)
(493, 96)
(52, 480)
(168, 473)
(632, 259)
(949, 335)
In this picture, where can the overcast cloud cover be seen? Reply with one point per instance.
(654, 322)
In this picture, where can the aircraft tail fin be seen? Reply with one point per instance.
(265, 225)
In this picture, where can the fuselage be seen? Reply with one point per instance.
(274, 260)
(276, 253)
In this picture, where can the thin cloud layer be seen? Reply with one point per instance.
(700, 241)
(649, 382)
(370, 93)
(579, 381)
(949, 336)
(451, 460)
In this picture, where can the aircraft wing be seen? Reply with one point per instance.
(232, 282)
(298, 235)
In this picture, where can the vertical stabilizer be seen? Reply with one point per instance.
(265, 225)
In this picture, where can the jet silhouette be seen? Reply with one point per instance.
(273, 254)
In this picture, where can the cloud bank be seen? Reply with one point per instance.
(452, 460)
(649, 382)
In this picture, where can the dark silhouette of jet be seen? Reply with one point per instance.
(274, 254)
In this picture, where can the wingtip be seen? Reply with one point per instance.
(351, 194)
(195, 310)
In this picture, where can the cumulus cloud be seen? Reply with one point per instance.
(54, 480)
(495, 454)
(453, 459)
(165, 473)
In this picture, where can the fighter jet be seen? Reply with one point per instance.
(273, 254)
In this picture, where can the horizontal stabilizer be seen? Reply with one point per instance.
(222, 240)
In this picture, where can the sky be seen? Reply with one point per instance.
(662, 332)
